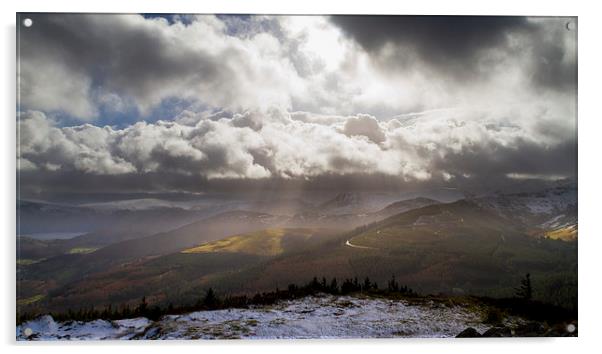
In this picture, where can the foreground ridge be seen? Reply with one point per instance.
(317, 316)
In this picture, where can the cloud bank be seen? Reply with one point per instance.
(443, 146)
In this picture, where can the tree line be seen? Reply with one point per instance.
(212, 301)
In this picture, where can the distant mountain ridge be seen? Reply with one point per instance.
(354, 202)
(551, 210)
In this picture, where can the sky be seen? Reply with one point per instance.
(114, 103)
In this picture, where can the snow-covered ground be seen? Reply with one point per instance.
(310, 317)
(551, 201)
(549, 209)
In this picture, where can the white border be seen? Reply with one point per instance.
(590, 294)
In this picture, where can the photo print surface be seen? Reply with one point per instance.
(187, 176)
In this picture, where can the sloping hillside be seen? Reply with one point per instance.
(454, 248)
(181, 276)
(268, 242)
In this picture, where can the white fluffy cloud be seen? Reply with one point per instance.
(84, 148)
(280, 144)
(364, 125)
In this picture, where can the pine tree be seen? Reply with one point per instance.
(393, 286)
(525, 290)
(367, 284)
(334, 287)
(210, 300)
(292, 289)
(142, 307)
(315, 284)
(347, 286)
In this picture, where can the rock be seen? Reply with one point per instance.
(562, 330)
(469, 333)
(531, 329)
(500, 331)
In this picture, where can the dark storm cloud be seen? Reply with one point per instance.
(100, 52)
(464, 46)
(435, 38)
(57, 185)
(75, 63)
(117, 55)
(61, 182)
(523, 158)
(555, 63)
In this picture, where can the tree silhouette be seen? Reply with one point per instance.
(367, 284)
(210, 300)
(393, 285)
(525, 291)
(334, 286)
(142, 307)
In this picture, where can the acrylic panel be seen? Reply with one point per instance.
(186, 176)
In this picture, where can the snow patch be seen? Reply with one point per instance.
(310, 317)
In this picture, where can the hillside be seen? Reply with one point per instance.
(268, 242)
(547, 213)
(48, 265)
(46, 276)
(178, 276)
(452, 248)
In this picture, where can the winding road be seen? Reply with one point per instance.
(347, 243)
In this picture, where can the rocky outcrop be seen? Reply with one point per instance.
(469, 333)
(499, 331)
(529, 329)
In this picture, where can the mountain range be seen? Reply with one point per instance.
(477, 245)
